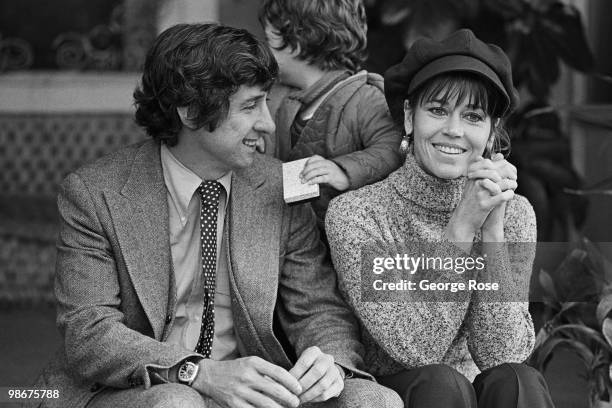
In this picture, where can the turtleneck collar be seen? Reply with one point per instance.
(425, 190)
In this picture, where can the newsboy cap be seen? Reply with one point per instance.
(461, 51)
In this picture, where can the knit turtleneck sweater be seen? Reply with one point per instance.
(412, 205)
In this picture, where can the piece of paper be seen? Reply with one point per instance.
(293, 189)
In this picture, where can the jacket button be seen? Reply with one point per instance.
(168, 319)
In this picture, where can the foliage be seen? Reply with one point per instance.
(537, 35)
(541, 153)
(578, 299)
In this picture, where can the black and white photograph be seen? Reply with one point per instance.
(306, 203)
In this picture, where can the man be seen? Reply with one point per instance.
(182, 277)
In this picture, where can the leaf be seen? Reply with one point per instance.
(541, 355)
(571, 306)
(599, 377)
(424, 13)
(601, 360)
(575, 330)
(606, 329)
(535, 191)
(607, 270)
(394, 11)
(599, 262)
(562, 25)
(576, 281)
(604, 308)
(603, 187)
(538, 115)
(551, 149)
(508, 9)
(547, 284)
(567, 310)
(554, 174)
(542, 336)
(601, 386)
(537, 65)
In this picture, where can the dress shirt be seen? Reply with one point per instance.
(184, 216)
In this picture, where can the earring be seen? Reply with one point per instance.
(405, 145)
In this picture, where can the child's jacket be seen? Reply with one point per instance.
(352, 126)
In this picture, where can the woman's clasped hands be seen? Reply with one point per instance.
(491, 184)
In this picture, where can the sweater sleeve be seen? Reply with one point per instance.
(379, 136)
(502, 331)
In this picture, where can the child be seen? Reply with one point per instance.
(333, 113)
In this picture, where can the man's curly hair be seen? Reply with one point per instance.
(331, 34)
(198, 66)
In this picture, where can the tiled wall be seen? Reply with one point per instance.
(36, 152)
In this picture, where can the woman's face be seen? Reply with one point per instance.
(448, 135)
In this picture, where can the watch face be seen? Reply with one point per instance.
(187, 372)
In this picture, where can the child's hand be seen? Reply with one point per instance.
(322, 171)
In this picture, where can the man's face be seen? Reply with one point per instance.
(232, 145)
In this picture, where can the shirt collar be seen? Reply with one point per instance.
(182, 182)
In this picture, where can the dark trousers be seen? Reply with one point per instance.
(441, 386)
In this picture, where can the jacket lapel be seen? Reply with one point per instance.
(140, 217)
(254, 232)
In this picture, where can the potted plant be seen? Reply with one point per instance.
(578, 305)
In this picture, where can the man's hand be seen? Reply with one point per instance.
(319, 170)
(319, 377)
(247, 382)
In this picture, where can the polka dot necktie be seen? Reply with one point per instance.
(209, 197)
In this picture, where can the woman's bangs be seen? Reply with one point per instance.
(448, 88)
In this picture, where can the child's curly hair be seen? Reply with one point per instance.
(331, 34)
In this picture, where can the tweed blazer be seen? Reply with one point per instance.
(115, 282)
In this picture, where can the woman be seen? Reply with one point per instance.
(451, 98)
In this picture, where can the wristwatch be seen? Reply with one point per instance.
(188, 372)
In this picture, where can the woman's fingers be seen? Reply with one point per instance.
(490, 186)
(502, 197)
(497, 170)
(502, 167)
(491, 194)
(508, 184)
(490, 174)
(497, 186)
